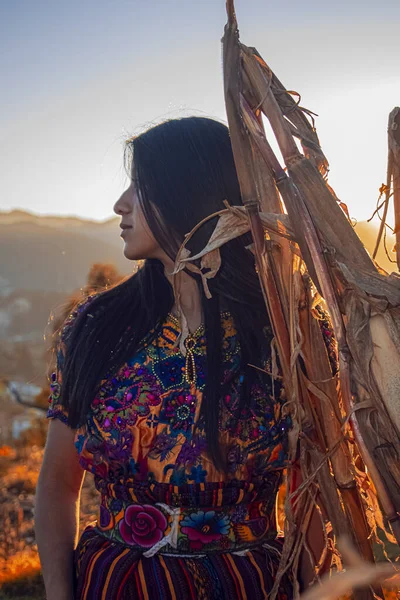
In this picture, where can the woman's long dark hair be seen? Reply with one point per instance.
(184, 170)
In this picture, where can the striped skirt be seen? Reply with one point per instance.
(107, 570)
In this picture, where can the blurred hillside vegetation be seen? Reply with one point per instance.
(23, 431)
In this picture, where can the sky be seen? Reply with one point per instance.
(79, 77)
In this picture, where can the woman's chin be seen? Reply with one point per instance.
(130, 255)
(133, 253)
(135, 249)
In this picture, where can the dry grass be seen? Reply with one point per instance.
(19, 561)
(20, 567)
(20, 572)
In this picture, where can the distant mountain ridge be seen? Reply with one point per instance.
(54, 254)
(19, 216)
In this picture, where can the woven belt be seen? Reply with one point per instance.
(159, 528)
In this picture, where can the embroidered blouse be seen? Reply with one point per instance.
(144, 441)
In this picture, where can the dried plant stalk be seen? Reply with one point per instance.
(394, 145)
(355, 291)
(392, 181)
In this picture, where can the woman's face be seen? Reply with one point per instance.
(139, 241)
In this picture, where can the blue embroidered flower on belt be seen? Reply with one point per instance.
(204, 527)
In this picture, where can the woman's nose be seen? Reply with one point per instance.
(117, 208)
(121, 207)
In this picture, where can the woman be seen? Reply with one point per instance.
(187, 447)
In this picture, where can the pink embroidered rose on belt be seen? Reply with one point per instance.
(143, 525)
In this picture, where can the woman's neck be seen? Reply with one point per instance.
(189, 296)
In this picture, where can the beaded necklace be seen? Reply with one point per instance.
(190, 343)
(190, 365)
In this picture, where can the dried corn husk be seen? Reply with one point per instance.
(345, 427)
(392, 186)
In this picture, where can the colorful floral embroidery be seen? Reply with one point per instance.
(191, 450)
(197, 474)
(179, 411)
(142, 525)
(204, 527)
(162, 448)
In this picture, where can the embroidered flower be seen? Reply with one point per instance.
(133, 389)
(197, 474)
(96, 447)
(204, 527)
(120, 449)
(190, 451)
(143, 525)
(179, 411)
(163, 446)
(178, 476)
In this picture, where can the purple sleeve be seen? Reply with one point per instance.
(56, 409)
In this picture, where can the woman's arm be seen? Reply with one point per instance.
(57, 511)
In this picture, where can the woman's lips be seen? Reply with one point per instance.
(124, 231)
